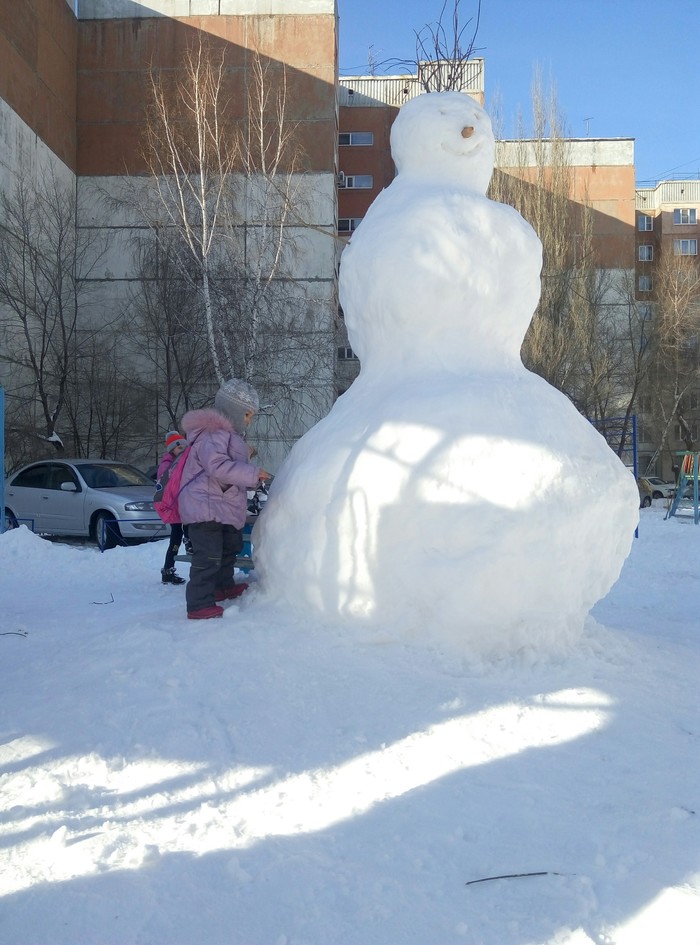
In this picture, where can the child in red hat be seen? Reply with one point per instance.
(175, 444)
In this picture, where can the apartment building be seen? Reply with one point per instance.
(74, 92)
(667, 223)
(667, 239)
(602, 177)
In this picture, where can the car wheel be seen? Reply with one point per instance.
(646, 501)
(106, 531)
(10, 520)
(658, 495)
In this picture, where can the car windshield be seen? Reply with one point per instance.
(112, 475)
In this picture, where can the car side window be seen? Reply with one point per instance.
(36, 477)
(61, 474)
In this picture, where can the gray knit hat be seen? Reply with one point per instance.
(234, 398)
(174, 438)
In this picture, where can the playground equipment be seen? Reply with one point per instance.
(688, 472)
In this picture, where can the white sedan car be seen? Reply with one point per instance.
(99, 499)
(660, 488)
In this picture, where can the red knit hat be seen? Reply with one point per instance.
(173, 439)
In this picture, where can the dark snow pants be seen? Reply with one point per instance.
(214, 550)
(173, 546)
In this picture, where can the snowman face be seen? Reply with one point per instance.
(464, 127)
(446, 135)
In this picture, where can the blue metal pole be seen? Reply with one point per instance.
(2, 460)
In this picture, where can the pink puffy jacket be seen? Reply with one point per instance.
(217, 472)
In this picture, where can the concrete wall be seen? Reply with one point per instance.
(73, 93)
(115, 58)
(23, 151)
(130, 9)
(38, 55)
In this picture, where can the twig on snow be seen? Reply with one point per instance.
(487, 879)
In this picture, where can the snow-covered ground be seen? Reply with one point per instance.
(257, 780)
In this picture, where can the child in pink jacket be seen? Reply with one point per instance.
(175, 445)
(214, 494)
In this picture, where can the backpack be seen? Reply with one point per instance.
(168, 489)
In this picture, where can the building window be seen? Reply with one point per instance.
(348, 224)
(646, 253)
(346, 354)
(645, 283)
(645, 310)
(685, 247)
(645, 222)
(692, 428)
(356, 138)
(355, 181)
(685, 216)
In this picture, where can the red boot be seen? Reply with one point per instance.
(213, 610)
(229, 593)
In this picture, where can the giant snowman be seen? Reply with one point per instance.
(450, 496)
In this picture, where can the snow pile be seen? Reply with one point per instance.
(450, 497)
(263, 780)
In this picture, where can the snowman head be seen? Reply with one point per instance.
(445, 134)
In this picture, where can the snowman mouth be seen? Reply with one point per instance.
(467, 148)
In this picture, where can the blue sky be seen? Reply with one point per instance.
(621, 68)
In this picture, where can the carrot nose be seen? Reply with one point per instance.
(468, 131)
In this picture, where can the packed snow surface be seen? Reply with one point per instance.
(265, 780)
(450, 494)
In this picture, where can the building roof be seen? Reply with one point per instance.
(367, 91)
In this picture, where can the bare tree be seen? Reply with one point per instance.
(192, 154)
(535, 176)
(629, 354)
(444, 49)
(107, 409)
(168, 330)
(675, 358)
(44, 265)
(226, 186)
(442, 52)
(588, 336)
(228, 182)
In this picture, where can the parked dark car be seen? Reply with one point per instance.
(100, 499)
